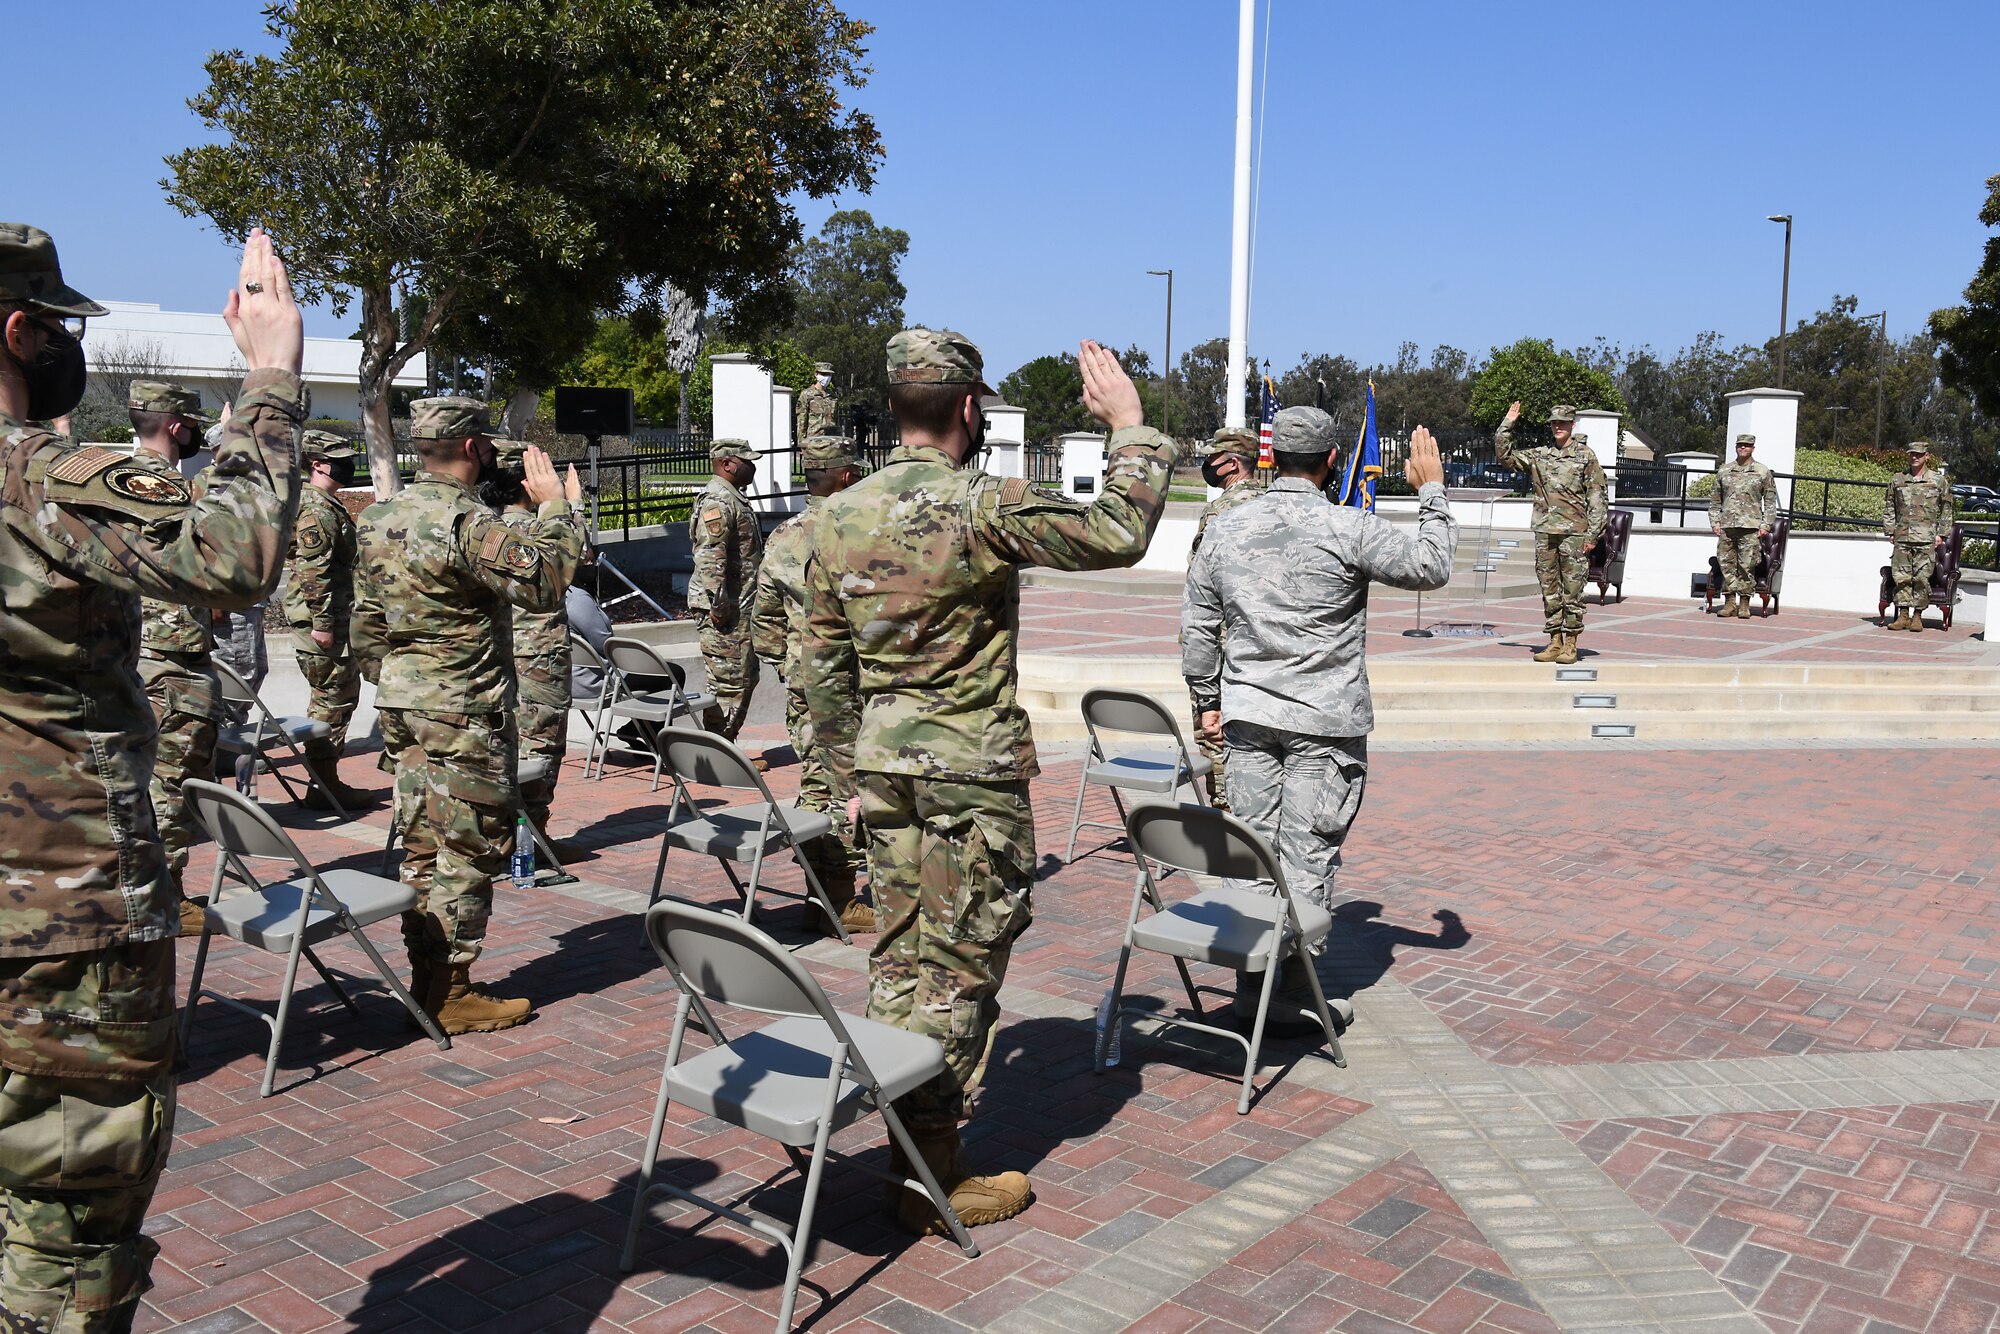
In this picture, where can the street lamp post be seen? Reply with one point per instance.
(1784, 294)
(1167, 370)
(1881, 368)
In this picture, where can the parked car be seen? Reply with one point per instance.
(1977, 499)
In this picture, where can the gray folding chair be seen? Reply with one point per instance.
(530, 770)
(813, 1072)
(582, 655)
(264, 733)
(1231, 928)
(1157, 772)
(748, 832)
(287, 916)
(646, 688)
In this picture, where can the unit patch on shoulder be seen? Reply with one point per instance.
(503, 550)
(145, 486)
(311, 538)
(78, 466)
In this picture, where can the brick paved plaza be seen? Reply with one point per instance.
(1713, 1050)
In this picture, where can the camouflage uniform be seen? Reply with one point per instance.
(1275, 617)
(912, 603)
(87, 952)
(1246, 488)
(1916, 513)
(541, 675)
(777, 630)
(1743, 504)
(437, 573)
(727, 546)
(1572, 504)
(174, 664)
(816, 408)
(319, 596)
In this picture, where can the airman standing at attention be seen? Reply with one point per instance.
(437, 574)
(87, 947)
(1917, 515)
(1741, 509)
(174, 642)
(1230, 462)
(817, 408)
(727, 546)
(318, 604)
(913, 602)
(1572, 505)
(777, 630)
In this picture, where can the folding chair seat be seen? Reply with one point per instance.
(264, 733)
(289, 916)
(1156, 772)
(798, 1080)
(1227, 927)
(749, 832)
(644, 687)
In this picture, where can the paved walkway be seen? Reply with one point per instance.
(1055, 618)
(1646, 1040)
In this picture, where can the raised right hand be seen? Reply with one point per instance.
(538, 477)
(1423, 465)
(1513, 413)
(266, 324)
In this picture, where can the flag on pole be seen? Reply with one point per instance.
(1364, 463)
(1267, 409)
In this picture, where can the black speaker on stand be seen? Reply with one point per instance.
(593, 413)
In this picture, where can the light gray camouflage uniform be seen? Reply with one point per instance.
(1274, 622)
(1572, 504)
(1246, 488)
(1743, 504)
(1916, 514)
(319, 596)
(913, 603)
(777, 631)
(728, 544)
(87, 926)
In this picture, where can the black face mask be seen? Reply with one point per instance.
(975, 453)
(342, 471)
(490, 473)
(55, 376)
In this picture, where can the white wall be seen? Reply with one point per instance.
(1006, 438)
(1772, 415)
(197, 351)
(774, 472)
(743, 411)
(1082, 465)
(1601, 432)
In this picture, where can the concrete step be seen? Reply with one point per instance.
(1451, 725)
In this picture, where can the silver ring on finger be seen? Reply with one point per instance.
(253, 288)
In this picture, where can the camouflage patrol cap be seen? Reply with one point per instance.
(1561, 413)
(448, 418)
(1918, 447)
(1745, 438)
(166, 396)
(509, 453)
(1231, 440)
(31, 275)
(328, 445)
(731, 448)
(1303, 431)
(822, 368)
(827, 451)
(936, 356)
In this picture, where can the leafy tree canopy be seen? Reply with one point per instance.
(1969, 335)
(1533, 373)
(525, 167)
(847, 298)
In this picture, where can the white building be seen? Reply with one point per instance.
(197, 351)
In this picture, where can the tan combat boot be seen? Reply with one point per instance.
(192, 917)
(1902, 621)
(976, 1200)
(1568, 653)
(1728, 606)
(1743, 608)
(1554, 649)
(468, 1008)
(1916, 624)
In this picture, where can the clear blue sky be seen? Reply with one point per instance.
(1463, 173)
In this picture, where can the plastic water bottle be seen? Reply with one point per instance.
(1104, 1021)
(524, 855)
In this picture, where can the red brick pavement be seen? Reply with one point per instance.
(402, 1187)
(1390, 1252)
(1829, 1222)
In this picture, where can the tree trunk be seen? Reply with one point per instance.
(378, 345)
(520, 411)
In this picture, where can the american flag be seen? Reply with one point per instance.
(1267, 408)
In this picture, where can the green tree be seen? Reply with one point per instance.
(1969, 335)
(1436, 394)
(1050, 391)
(526, 166)
(1533, 373)
(620, 356)
(847, 297)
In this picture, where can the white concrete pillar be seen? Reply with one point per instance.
(1006, 438)
(1082, 455)
(742, 400)
(1599, 429)
(775, 472)
(1772, 415)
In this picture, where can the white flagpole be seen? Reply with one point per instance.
(1239, 228)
